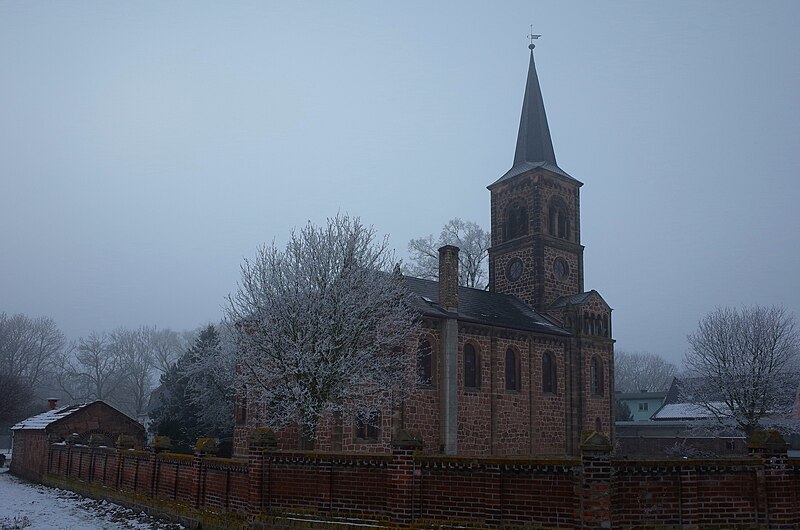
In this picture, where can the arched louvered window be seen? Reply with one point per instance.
(516, 221)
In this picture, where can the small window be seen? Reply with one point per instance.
(548, 373)
(596, 377)
(512, 370)
(472, 377)
(643, 406)
(424, 362)
(367, 430)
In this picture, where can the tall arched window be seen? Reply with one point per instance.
(516, 221)
(425, 362)
(596, 376)
(548, 373)
(472, 372)
(558, 220)
(512, 370)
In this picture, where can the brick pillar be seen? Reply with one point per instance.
(260, 442)
(448, 277)
(595, 493)
(402, 483)
(776, 493)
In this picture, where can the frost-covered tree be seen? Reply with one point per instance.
(747, 363)
(642, 372)
(473, 242)
(321, 326)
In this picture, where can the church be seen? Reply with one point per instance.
(523, 368)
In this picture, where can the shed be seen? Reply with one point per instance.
(73, 423)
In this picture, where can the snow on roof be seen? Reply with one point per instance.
(41, 421)
(686, 411)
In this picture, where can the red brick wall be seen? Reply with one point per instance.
(593, 492)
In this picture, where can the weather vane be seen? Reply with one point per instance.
(532, 38)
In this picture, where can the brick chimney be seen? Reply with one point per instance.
(52, 403)
(448, 277)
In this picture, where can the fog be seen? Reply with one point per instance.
(147, 147)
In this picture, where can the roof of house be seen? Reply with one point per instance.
(640, 395)
(686, 411)
(41, 421)
(482, 307)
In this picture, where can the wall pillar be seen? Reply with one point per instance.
(402, 478)
(595, 493)
(776, 495)
(260, 442)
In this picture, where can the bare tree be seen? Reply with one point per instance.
(167, 346)
(642, 372)
(17, 395)
(473, 242)
(748, 361)
(93, 370)
(134, 348)
(321, 327)
(29, 346)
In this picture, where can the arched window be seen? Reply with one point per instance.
(512, 370)
(558, 220)
(425, 362)
(516, 221)
(548, 373)
(596, 376)
(472, 371)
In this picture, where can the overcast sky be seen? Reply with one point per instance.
(147, 147)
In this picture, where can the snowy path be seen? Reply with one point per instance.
(53, 509)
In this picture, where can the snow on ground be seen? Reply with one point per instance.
(36, 507)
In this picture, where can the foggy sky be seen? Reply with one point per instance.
(147, 147)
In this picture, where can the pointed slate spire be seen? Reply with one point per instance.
(533, 140)
(534, 146)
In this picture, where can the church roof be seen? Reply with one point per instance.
(482, 307)
(575, 299)
(534, 145)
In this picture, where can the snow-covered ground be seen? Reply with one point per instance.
(37, 507)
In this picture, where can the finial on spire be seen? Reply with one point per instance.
(532, 38)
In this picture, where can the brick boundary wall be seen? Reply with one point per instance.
(291, 489)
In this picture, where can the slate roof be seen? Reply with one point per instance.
(41, 421)
(575, 299)
(482, 307)
(534, 145)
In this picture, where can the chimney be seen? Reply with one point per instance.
(448, 277)
(52, 403)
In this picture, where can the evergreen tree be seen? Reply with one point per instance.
(177, 415)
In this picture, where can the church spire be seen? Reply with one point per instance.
(534, 146)
(533, 140)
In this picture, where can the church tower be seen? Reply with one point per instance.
(536, 251)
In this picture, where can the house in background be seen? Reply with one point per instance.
(76, 423)
(642, 404)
